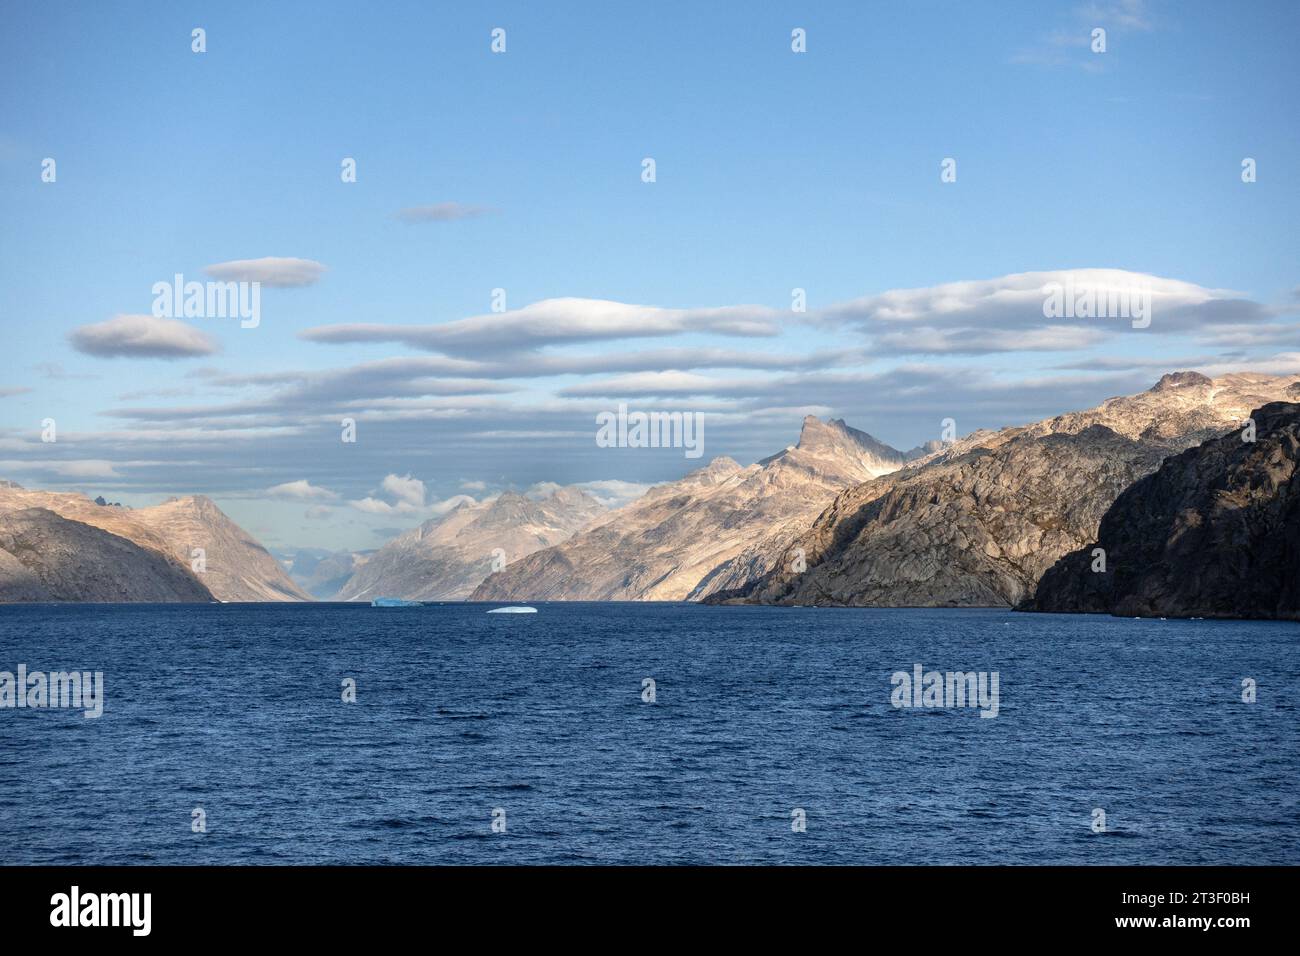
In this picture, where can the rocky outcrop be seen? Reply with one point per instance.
(978, 522)
(445, 558)
(718, 525)
(1215, 532)
(46, 557)
(237, 567)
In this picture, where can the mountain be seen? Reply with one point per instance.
(320, 572)
(978, 522)
(46, 557)
(446, 557)
(237, 567)
(1214, 532)
(716, 526)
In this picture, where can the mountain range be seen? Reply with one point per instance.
(837, 518)
(715, 527)
(979, 522)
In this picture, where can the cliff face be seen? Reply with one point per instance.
(1215, 532)
(689, 538)
(978, 522)
(444, 559)
(238, 568)
(45, 557)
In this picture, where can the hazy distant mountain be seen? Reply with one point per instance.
(46, 557)
(721, 524)
(237, 567)
(321, 572)
(446, 557)
(1215, 532)
(979, 522)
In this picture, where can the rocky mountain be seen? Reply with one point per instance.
(1214, 532)
(237, 567)
(46, 557)
(978, 522)
(718, 525)
(445, 558)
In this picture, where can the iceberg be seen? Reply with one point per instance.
(514, 609)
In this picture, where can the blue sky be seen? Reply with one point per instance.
(775, 170)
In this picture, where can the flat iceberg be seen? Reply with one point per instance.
(394, 602)
(514, 609)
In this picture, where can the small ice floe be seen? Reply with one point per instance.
(514, 609)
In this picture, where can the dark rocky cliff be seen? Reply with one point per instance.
(1214, 532)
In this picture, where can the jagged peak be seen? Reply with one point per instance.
(817, 435)
(1181, 380)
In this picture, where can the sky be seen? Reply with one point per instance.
(516, 179)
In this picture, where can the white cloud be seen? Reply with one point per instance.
(404, 489)
(613, 493)
(1006, 314)
(68, 468)
(558, 322)
(301, 490)
(277, 273)
(141, 336)
(377, 506)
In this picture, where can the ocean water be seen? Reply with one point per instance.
(539, 719)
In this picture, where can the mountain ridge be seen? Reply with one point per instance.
(965, 527)
(672, 543)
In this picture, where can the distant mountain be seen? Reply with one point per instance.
(445, 558)
(320, 572)
(238, 568)
(46, 557)
(1215, 532)
(978, 522)
(719, 525)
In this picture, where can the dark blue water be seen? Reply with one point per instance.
(238, 710)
